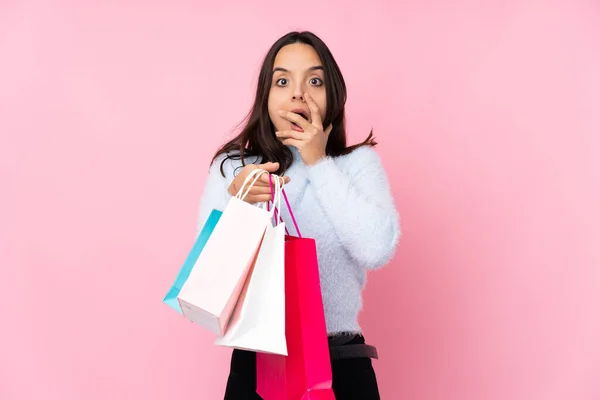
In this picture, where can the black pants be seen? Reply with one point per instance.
(352, 378)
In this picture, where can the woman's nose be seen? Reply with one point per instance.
(298, 93)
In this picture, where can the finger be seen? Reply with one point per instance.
(260, 183)
(292, 142)
(259, 190)
(270, 166)
(282, 179)
(315, 113)
(258, 198)
(265, 180)
(271, 186)
(289, 134)
(299, 120)
(328, 130)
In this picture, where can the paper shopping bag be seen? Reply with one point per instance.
(258, 320)
(306, 371)
(171, 296)
(211, 291)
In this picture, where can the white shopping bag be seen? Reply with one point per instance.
(258, 321)
(211, 291)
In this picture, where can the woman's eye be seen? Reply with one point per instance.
(281, 82)
(316, 82)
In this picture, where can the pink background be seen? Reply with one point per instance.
(488, 118)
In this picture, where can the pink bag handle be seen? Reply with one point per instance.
(274, 206)
(288, 206)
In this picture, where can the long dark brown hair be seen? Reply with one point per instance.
(257, 138)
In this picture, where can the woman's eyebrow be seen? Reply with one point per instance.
(314, 68)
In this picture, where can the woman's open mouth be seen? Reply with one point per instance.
(295, 126)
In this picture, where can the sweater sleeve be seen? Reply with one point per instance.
(359, 205)
(216, 194)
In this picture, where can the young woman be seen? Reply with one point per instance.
(339, 194)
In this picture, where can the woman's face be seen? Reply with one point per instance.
(297, 70)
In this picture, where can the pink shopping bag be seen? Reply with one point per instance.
(305, 373)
